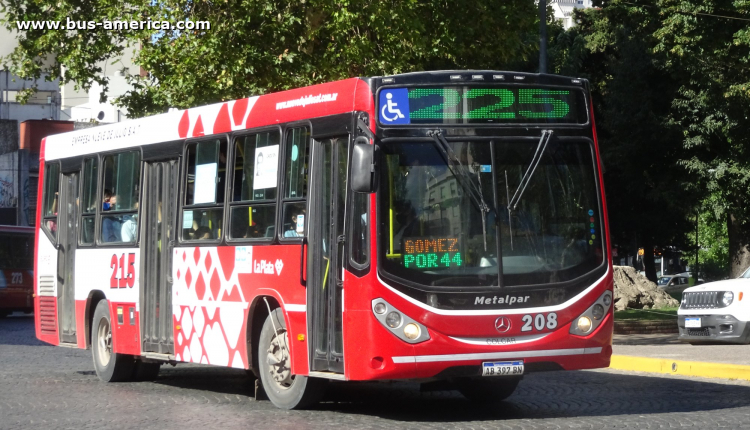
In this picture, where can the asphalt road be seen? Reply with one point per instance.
(46, 387)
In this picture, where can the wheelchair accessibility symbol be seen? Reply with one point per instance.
(394, 106)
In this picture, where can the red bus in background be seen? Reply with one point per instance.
(16, 269)
(434, 226)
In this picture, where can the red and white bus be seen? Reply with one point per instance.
(16, 269)
(426, 226)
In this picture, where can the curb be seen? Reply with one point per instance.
(679, 367)
(645, 326)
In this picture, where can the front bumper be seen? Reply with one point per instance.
(715, 328)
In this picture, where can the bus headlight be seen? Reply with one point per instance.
(411, 331)
(403, 327)
(597, 311)
(727, 298)
(379, 308)
(588, 321)
(584, 324)
(393, 319)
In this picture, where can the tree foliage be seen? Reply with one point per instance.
(648, 193)
(256, 46)
(672, 95)
(713, 244)
(711, 49)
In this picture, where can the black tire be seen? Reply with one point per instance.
(286, 391)
(143, 371)
(485, 391)
(110, 366)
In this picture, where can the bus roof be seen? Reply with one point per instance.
(293, 105)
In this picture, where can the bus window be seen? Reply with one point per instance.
(203, 212)
(358, 243)
(120, 195)
(51, 192)
(89, 200)
(297, 157)
(256, 164)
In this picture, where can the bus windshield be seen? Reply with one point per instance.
(16, 251)
(432, 233)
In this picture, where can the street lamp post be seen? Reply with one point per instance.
(542, 36)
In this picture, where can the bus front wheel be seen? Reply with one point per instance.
(285, 390)
(488, 390)
(110, 366)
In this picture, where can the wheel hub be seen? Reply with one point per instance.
(104, 342)
(278, 361)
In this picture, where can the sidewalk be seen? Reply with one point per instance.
(663, 353)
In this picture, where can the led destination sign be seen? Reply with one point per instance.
(481, 105)
(421, 253)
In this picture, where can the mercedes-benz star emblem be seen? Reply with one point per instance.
(502, 324)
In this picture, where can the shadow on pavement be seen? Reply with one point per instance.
(18, 329)
(199, 377)
(540, 395)
(595, 394)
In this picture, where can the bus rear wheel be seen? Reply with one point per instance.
(285, 390)
(110, 366)
(484, 391)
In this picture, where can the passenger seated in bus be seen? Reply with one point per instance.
(109, 200)
(202, 233)
(111, 229)
(252, 231)
(129, 226)
(291, 230)
(111, 225)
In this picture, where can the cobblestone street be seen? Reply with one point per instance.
(50, 387)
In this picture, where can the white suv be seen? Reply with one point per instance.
(716, 312)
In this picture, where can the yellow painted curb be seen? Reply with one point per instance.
(678, 367)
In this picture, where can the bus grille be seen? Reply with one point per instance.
(47, 285)
(702, 300)
(47, 315)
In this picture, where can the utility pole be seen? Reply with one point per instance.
(542, 36)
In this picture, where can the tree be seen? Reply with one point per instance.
(256, 46)
(713, 241)
(648, 193)
(709, 42)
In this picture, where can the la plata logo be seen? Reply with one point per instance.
(268, 267)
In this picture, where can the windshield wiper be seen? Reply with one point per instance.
(513, 202)
(540, 148)
(460, 172)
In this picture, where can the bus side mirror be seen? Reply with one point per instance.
(364, 171)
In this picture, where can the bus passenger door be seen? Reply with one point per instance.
(157, 246)
(325, 253)
(66, 254)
